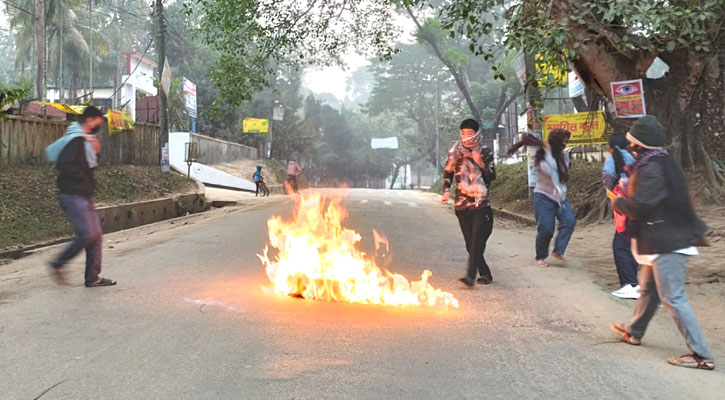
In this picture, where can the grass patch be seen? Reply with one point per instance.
(29, 210)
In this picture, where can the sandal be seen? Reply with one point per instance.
(692, 360)
(484, 280)
(468, 282)
(101, 282)
(625, 336)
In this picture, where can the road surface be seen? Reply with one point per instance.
(188, 320)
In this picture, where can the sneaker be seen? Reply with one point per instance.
(541, 263)
(627, 292)
(625, 336)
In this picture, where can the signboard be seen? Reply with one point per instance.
(519, 65)
(165, 168)
(119, 121)
(576, 86)
(586, 128)
(531, 165)
(166, 77)
(255, 125)
(384, 143)
(189, 90)
(628, 98)
(278, 113)
(549, 74)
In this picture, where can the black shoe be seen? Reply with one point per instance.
(484, 280)
(467, 282)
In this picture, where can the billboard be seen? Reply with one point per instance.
(585, 127)
(189, 90)
(628, 98)
(255, 125)
(166, 77)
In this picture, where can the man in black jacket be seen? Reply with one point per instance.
(77, 157)
(665, 234)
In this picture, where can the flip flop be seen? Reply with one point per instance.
(692, 361)
(101, 282)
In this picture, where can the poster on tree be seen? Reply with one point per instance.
(628, 98)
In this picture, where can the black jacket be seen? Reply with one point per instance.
(74, 176)
(660, 208)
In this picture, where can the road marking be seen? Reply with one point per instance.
(363, 201)
(388, 203)
(411, 204)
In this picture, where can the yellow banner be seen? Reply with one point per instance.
(66, 108)
(549, 74)
(119, 121)
(586, 128)
(255, 125)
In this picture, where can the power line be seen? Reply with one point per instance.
(134, 69)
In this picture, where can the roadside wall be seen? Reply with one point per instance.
(127, 216)
(215, 151)
(25, 139)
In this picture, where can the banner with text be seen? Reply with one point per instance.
(628, 98)
(119, 121)
(255, 125)
(586, 128)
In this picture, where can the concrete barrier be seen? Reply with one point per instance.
(131, 215)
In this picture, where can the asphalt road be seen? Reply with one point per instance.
(188, 320)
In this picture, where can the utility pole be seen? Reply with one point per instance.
(438, 113)
(160, 33)
(90, 46)
(61, 46)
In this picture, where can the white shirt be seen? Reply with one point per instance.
(649, 259)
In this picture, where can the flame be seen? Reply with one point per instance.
(318, 259)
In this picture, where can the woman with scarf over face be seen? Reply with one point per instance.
(550, 204)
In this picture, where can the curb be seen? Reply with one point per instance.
(499, 212)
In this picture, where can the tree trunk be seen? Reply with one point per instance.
(59, 77)
(38, 18)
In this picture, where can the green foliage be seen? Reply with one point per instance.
(547, 28)
(253, 37)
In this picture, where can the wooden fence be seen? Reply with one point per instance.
(23, 141)
(215, 151)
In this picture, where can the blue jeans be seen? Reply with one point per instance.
(546, 212)
(665, 282)
(88, 234)
(626, 265)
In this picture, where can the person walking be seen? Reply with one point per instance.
(293, 169)
(257, 179)
(665, 234)
(614, 178)
(473, 167)
(75, 156)
(550, 203)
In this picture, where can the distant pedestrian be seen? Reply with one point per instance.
(75, 156)
(257, 179)
(665, 233)
(293, 169)
(614, 177)
(472, 165)
(550, 202)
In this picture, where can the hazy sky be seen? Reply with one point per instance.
(334, 79)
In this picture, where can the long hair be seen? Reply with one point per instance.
(618, 143)
(557, 142)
